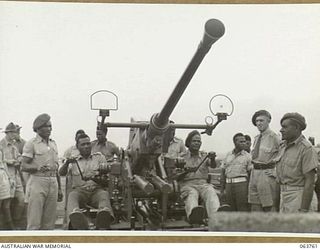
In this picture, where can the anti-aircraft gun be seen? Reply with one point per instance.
(148, 185)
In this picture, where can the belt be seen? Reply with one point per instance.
(285, 187)
(263, 166)
(46, 174)
(236, 179)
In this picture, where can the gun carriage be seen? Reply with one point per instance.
(143, 182)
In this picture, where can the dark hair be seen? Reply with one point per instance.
(81, 136)
(189, 137)
(79, 132)
(235, 136)
(248, 138)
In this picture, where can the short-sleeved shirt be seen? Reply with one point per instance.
(42, 153)
(108, 148)
(176, 148)
(294, 161)
(19, 143)
(269, 146)
(193, 161)
(237, 164)
(71, 152)
(10, 152)
(89, 167)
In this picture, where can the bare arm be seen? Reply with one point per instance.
(27, 166)
(63, 170)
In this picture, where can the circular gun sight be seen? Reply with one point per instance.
(214, 28)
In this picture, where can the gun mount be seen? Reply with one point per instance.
(144, 176)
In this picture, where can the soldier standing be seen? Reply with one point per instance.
(296, 166)
(248, 143)
(236, 170)
(5, 186)
(40, 159)
(12, 158)
(73, 151)
(264, 192)
(102, 145)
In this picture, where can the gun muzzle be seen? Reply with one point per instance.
(143, 184)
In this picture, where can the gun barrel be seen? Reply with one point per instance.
(214, 29)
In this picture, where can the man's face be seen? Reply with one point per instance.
(240, 142)
(262, 122)
(45, 130)
(248, 145)
(195, 143)
(101, 135)
(289, 131)
(84, 146)
(12, 135)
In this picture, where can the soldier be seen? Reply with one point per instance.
(248, 143)
(40, 159)
(12, 158)
(264, 192)
(195, 184)
(19, 143)
(296, 166)
(317, 184)
(5, 186)
(85, 190)
(176, 145)
(71, 152)
(102, 145)
(236, 171)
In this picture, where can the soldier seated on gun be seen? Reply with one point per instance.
(85, 190)
(195, 184)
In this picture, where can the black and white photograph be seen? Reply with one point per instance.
(183, 119)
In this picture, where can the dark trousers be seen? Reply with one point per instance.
(237, 196)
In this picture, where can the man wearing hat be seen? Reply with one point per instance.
(296, 166)
(40, 159)
(12, 158)
(263, 189)
(195, 184)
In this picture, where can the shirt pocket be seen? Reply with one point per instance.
(40, 150)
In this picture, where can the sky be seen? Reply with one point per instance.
(53, 56)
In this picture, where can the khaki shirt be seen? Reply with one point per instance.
(71, 152)
(176, 148)
(294, 161)
(269, 146)
(19, 143)
(42, 153)
(10, 152)
(89, 168)
(108, 149)
(192, 161)
(237, 165)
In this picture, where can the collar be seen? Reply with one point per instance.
(239, 153)
(175, 139)
(190, 155)
(80, 157)
(7, 142)
(267, 131)
(296, 141)
(102, 143)
(40, 139)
